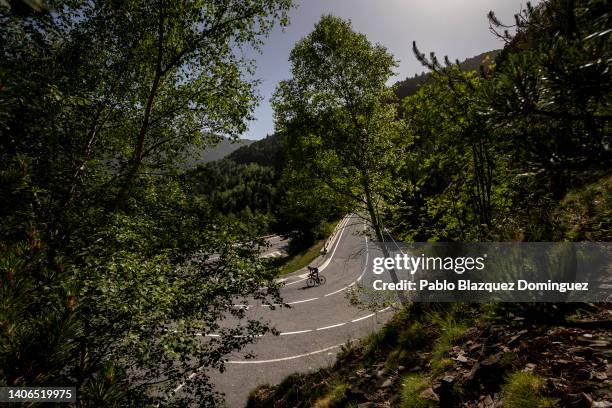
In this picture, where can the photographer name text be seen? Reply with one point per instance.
(466, 285)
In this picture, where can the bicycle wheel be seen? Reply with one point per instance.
(310, 282)
(322, 280)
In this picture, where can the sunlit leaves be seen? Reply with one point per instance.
(94, 94)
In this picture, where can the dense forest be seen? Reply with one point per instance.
(246, 180)
(252, 186)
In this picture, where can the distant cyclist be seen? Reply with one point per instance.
(314, 279)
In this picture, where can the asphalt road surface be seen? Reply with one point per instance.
(278, 247)
(314, 329)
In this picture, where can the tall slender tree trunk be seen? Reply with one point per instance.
(136, 159)
(380, 237)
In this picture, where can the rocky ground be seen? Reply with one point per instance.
(512, 357)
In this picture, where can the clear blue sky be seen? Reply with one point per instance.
(457, 28)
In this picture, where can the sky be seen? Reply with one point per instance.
(457, 28)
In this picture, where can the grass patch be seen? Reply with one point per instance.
(584, 214)
(524, 390)
(451, 330)
(301, 259)
(385, 339)
(410, 338)
(412, 387)
(335, 397)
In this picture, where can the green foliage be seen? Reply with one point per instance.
(307, 208)
(450, 194)
(411, 328)
(334, 115)
(491, 155)
(451, 329)
(386, 338)
(551, 92)
(586, 213)
(334, 398)
(232, 188)
(108, 266)
(524, 390)
(412, 387)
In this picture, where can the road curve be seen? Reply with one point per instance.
(313, 330)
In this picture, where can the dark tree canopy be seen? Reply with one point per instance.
(108, 266)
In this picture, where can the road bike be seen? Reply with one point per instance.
(315, 280)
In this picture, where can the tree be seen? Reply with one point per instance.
(492, 155)
(337, 115)
(453, 172)
(334, 113)
(108, 266)
(551, 91)
(306, 205)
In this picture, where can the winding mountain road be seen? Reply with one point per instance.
(314, 329)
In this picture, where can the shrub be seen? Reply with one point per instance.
(335, 397)
(451, 330)
(524, 390)
(412, 387)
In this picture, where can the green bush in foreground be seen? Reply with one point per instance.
(451, 330)
(524, 390)
(336, 397)
(412, 387)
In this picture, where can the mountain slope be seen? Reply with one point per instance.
(265, 152)
(197, 155)
(410, 86)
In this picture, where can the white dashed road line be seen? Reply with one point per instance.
(319, 328)
(302, 301)
(276, 360)
(337, 291)
(295, 332)
(362, 318)
(331, 327)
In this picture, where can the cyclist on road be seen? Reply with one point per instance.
(314, 271)
(314, 279)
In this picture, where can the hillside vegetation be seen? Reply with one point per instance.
(198, 155)
(460, 356)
